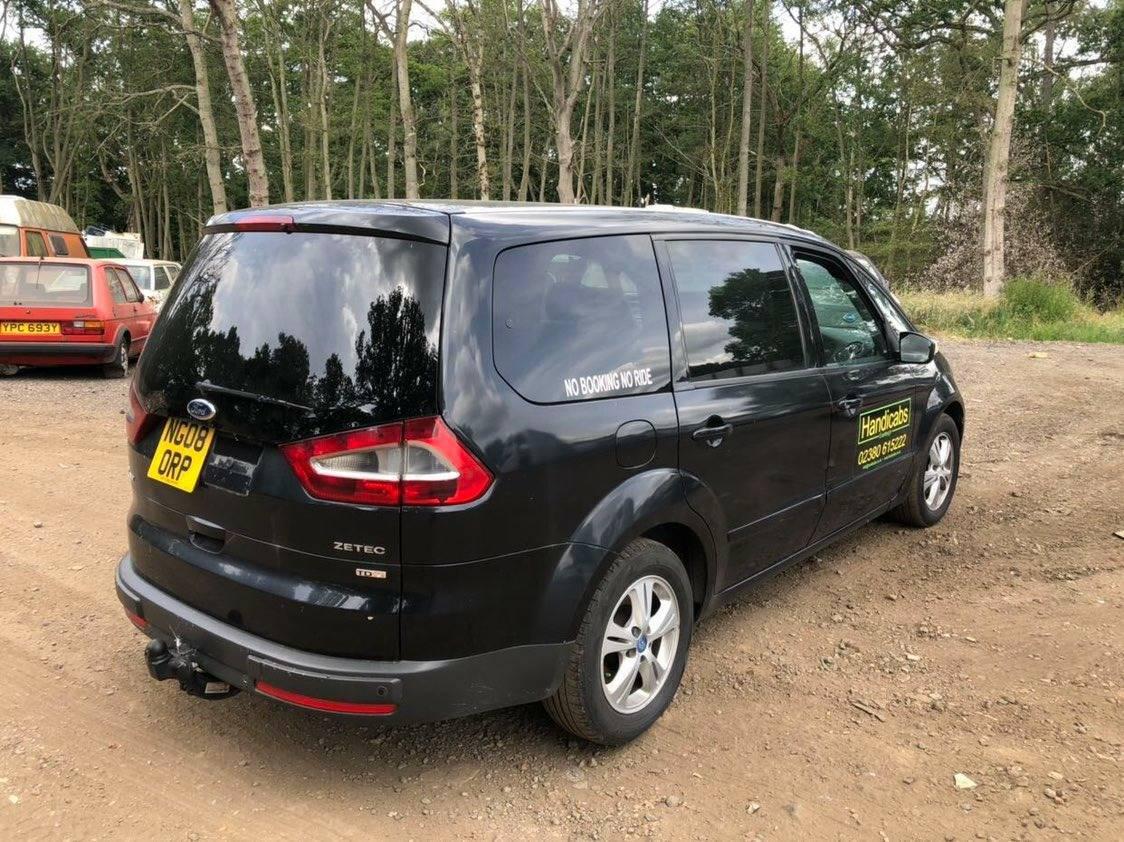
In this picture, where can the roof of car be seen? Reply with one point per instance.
(16, 210)
(85, 261)
(431, 219)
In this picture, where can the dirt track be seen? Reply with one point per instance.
(835, 701)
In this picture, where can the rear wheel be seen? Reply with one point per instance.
(119, 365)
(631, 649)
(934, 479)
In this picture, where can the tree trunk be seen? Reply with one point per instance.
(405, 99)
(454, 143)
(747, 112)
(212, 152)
(999, 154)
(759, 174)
(392, 131)
(778, 191)
(475, 71)
(631, 188)
(247, 111)
(567, 78)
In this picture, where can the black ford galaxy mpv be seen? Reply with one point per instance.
(418, 460)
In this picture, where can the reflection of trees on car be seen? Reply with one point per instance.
(395, 363)
(762, 328)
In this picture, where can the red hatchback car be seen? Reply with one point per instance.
(71, 311)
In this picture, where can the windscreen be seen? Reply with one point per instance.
(320, 331)
(9, 241)
(44, 285)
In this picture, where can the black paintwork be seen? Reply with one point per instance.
(574, 482)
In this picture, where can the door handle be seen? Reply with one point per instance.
(712, 435)
(849, 406)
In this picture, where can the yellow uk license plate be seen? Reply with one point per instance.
(30, 329)
(180, 454)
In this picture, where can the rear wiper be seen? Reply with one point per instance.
(208, 386)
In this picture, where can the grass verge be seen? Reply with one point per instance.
(1027, 309)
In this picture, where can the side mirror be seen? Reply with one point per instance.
(915, 348)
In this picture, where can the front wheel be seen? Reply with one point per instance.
(933, 483)
(631, 649)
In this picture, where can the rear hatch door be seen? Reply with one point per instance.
(47, 302)
(288, 335)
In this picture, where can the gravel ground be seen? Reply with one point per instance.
(838, 700)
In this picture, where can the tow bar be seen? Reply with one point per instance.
(180, 664)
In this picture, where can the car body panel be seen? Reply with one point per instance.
(132, 319)
(574, 482)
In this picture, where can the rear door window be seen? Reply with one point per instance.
(161, 280)
(738, 311)
(580, 319)
(131, 292)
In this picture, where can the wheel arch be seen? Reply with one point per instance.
(650, 505)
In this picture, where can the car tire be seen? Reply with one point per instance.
(940, 460)
(119, 365)
(642, 678)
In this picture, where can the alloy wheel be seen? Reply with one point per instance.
(639, 644)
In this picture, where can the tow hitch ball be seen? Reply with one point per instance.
(180, 665)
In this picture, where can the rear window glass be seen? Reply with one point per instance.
(344, 327)
(580, 319)
(44, 285)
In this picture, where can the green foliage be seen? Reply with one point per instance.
(1030, 308)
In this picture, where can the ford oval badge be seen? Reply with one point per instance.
(201, 410)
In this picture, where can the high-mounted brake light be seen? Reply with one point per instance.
(264, 222)
(137, 419)
(420, 462)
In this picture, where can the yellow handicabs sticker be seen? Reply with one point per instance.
(883, 432)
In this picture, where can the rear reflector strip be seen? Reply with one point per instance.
(330, 705)
(137, 620)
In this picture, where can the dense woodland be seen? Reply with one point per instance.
(955, 141)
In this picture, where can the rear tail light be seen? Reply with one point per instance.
(420, 462)
(137, 419)
(82, 327)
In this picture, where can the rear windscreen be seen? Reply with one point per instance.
(342, 328)
(44, 285)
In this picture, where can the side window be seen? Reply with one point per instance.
(849, 329)
(131, 291)
(36, 247)
(738, 312)
(58, 243)
(161, 279)
(580, 319)
(115, 288)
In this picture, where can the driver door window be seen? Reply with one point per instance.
(849, 330)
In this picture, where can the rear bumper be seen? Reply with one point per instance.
(419, 690)
(55, 353)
